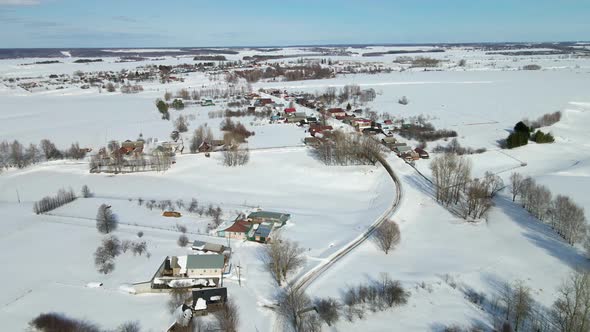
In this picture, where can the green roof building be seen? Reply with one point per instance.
(275, 217)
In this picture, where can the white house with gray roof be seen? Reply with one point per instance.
(204, 266)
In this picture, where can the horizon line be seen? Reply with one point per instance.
(311, 45)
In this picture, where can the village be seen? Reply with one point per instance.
(312, 116)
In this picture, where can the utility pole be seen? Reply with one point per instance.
(17, 196)
(239, 267)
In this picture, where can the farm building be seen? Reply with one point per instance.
(263, 216)
(207, 247)
(261, 232)
(172, 214)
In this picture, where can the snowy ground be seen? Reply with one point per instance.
(51, 255)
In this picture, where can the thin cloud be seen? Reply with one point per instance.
(19, 2)
(122, 18)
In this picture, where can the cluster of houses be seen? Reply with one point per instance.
(384, 129)
(258, 226)
(202, 271)
(132, 156)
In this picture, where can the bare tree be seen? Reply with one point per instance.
(291, 303)
(493, 183)
(571, 310)
(387, 235)
(197, 139)
(86, 191)
(182, 240)
(181, 124)
(228, 317)
(523, 303)
(106, 221)
(178, 297)
(328, 309)
(129, 327)
(282, 257)
(111, 246)
(515, 185)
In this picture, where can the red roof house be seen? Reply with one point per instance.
(238, 230)
(318, 129)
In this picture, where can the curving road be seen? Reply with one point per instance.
(305, 280)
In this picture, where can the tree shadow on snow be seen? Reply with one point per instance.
(542, 235)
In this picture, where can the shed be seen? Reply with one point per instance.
(208, 247)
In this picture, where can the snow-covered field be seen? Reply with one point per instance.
(48, 258)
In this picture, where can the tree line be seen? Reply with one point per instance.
(563, 215)
(49, 203)
(14, 154)
(340, 148)
(455, 188)
(299, 313)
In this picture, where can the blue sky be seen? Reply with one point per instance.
(135, 23)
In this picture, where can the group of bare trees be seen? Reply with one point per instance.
(104, 256)
(518, 306)
(265, 113)
(281, 257)
(565, 216)
(218, 91)
(54, 322)
(235, 132)
(49, 203)
(14, 154)
(111, 247)
(181, 124)
(455, 147)
(376, 296)
(236, 156)
(456, 188)
(349, 93)
(386, 236)
(299, 313)
(478, 195)
(113, 160)
(544, 121)
(571, 310)
(450, 173)
(340, 148)
(295, 311)
(289, 73)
